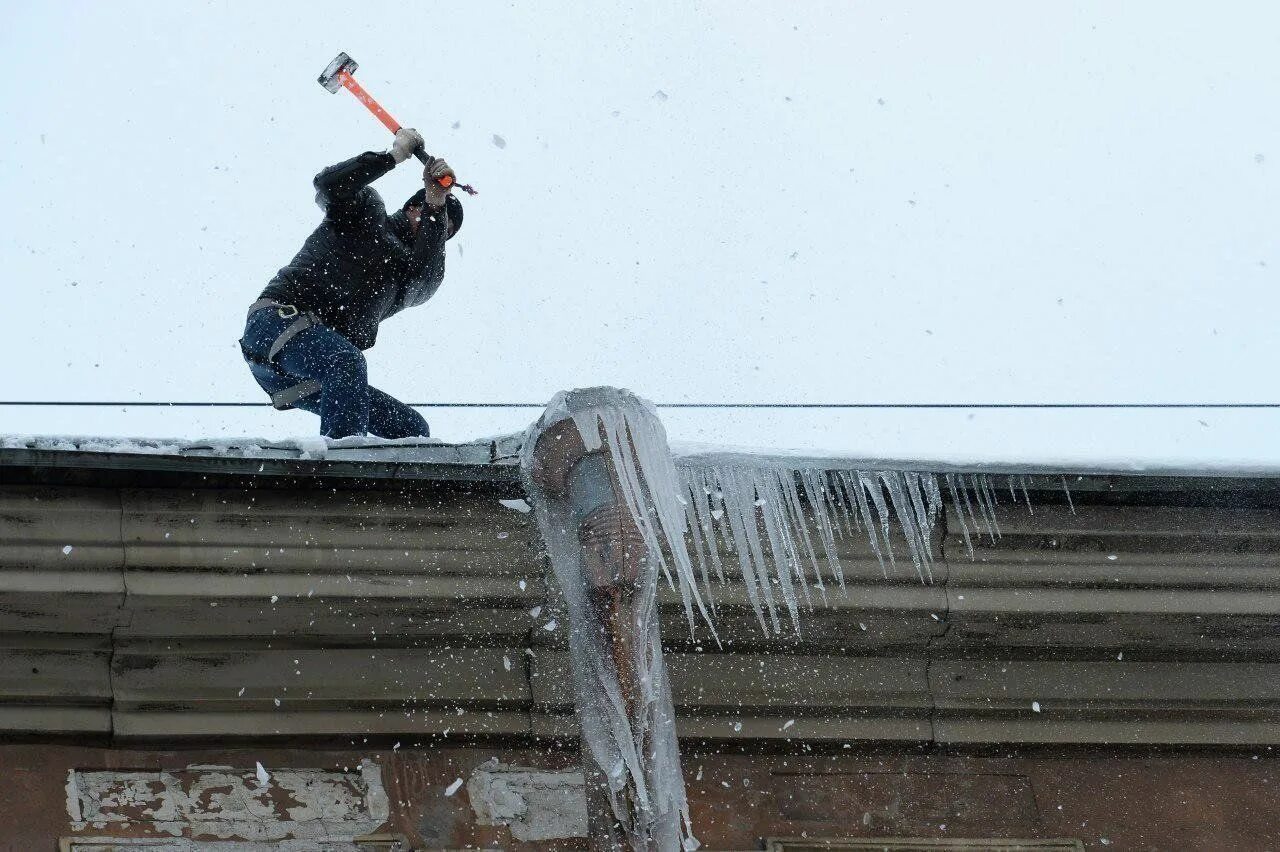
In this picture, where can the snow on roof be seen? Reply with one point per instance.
(699, 454)
(342, 449)
(503, 451)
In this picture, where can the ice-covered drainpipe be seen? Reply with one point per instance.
(588, 464)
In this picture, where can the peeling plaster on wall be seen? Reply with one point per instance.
(537, 804)
(229, 804)
(73, 798)
(376, 801)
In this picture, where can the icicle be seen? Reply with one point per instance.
(993, 500)
(854, 499)
(740, 516)
(701, 549)
(968, 505)
(796, 519)
(785, 531)
(919, 493)
(934, 494)
(959, 510)
(706, 517)
(980, 498)
(843, 514)
(873, 489)
(818, 491)
(896, 484)
(620, 680)
(864, 516)
(785, 561)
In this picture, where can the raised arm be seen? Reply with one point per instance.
(338, 187)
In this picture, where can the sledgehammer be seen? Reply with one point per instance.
(338, 76)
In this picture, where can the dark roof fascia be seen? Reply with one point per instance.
(90, 468)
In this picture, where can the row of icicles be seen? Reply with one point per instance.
(755, 510)
(757, 514)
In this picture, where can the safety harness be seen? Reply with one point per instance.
(285, 399)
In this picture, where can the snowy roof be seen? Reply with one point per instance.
(482, 460)
(708, 455)
(496, 458)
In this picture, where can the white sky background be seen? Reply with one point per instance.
(836, 202)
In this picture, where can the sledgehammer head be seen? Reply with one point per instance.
(329, 79)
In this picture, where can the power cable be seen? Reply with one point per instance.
(692, 405)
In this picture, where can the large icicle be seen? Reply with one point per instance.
(589, 454)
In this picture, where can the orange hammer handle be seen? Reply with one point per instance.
(349, 83)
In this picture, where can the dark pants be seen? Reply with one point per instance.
(346, 404)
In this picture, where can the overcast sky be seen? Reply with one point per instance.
(713, 201)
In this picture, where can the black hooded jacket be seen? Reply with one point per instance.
(360, 265)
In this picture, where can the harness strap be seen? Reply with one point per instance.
(263, 303)
(305, 319)
(301, 324)
(285, 399)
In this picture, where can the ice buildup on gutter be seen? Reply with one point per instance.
(605, 494)
(783, 524)
(779, 522)
(615, 510)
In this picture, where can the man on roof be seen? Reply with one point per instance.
(304, 337)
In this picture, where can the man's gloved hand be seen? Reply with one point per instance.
(437, 168)
(407, 141)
